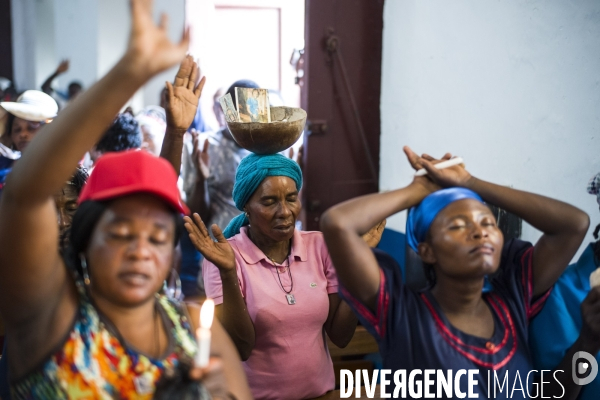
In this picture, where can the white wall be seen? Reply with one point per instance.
(44, 39)
(215, 39)
(24, 38)
(47, 31)
(175, 9)
(113, 22)
(75, 37)
(512, 87)
(92, 34)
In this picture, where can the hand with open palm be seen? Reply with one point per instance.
(373, 236)
(62, 67)
(220, 252)
(150, 50)
(183, 95)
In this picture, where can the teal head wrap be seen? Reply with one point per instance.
(250, 173)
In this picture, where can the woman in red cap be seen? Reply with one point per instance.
(90, 324)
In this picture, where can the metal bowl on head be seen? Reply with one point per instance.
(287, 123)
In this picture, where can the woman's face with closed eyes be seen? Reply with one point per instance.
(464, 241)
(131, 249)
(66, 206)
(274, 208)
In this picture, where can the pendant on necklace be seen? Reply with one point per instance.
(143, 384)
(290, 299)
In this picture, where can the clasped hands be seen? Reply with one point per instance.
(437, 179)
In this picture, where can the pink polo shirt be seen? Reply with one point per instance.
(290, 359)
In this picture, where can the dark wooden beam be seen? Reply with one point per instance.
(6, 54)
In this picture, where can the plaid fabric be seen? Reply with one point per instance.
(594, 186)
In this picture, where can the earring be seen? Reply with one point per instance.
(172, 287)
(84, 268)
(247, 215)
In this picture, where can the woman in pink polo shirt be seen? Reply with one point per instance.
(275, 286)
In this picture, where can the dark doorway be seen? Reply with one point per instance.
(6, 58)
(341, 94)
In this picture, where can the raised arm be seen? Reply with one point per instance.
(182, 102)
(233, 313)
(563, 225)
(61, 69)
(32, 276)
(343, 226)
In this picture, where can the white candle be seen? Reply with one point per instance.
(203, 333)
(444, 164)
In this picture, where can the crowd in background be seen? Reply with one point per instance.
(115, 224)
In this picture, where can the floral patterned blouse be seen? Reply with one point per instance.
(94, 362)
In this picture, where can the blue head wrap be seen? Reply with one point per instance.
(250, 173)
(420, 217)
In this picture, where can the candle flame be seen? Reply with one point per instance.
(206, 313)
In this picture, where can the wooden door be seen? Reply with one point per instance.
(6, 66)
(340, 92)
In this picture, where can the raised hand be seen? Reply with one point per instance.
(183, 95)
(150, 51)
(416, 161)
(220, 252)
(200, 157)
(447, 177)
(62, 67)
(373, 237)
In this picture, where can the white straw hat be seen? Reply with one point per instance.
(32, 105)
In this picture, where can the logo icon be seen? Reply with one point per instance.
(313, 285)
(580, 367)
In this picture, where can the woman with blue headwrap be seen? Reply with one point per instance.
(453, 325)
(274, 286)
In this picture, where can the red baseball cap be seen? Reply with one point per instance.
(129, 172)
